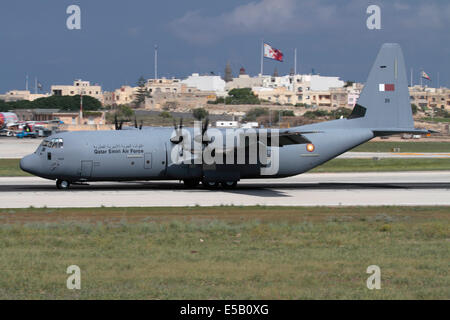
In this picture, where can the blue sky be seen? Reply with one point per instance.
(115, 43)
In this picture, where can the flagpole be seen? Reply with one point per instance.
(35, 85)
(438, 85)
(156, 59)
(411, 77)
(26, 82)
(295, 61)
(421, 80)
(262, 56)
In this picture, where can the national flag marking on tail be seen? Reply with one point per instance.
(386, 87)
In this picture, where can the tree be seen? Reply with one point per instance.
(242, 96)
(414, 108)
(141, 92)
(121, 112)
(348, 83)
(125, 111)
(165, 115)
(64, 103)
(287, 113)
(254, 113)
(340, 112)
(315, 114)
(199, 113)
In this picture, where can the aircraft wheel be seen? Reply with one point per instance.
(210, 184)
(62, 184)
(191, 183)
(229, 184)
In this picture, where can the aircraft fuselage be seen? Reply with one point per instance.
(147, 155)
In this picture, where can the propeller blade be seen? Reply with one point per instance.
(116, 125)
(141, 125)
(135, 122)
(205, 126)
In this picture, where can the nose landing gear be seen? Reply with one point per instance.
(62, 184)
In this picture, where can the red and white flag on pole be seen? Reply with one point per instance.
(272, 53)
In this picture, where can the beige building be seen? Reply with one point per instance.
(15, 95)
(339, 97)
(279, 95)
(78, 87)
(244, 81)
(320, 98)
(425, 97)
(123, 95)
(185, 98)
(163, 85)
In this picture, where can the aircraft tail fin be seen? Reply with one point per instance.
(384, 101)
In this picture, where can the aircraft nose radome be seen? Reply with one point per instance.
(28, 164)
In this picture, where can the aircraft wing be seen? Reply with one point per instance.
(284, 138)
(288, 138)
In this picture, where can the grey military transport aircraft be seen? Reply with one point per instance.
(223, 157)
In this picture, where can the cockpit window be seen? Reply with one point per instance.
(53, 143)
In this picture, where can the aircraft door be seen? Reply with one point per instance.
(86, 168)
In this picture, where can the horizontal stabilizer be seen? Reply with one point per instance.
(391, 131)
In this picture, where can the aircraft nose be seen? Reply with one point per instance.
(29, 163)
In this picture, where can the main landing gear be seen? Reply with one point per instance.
(215, 184)
(193, 183)
(62, 184)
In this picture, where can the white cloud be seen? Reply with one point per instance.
(274, 17)
(263, 17)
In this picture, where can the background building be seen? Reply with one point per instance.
(15, 95)
(206, 83)
(78, 87)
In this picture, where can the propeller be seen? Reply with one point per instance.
(205, 139)
(141, 125)
(178, 129)
(135, 122)
(205, 126)
(116, 123)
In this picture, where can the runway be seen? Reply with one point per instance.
(311, 189)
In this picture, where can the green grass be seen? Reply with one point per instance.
(225, 252)
(369, 165)
(10, 168)
(436, 119)
(379, 146)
